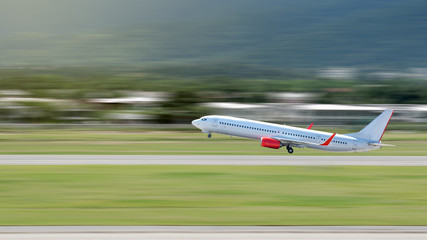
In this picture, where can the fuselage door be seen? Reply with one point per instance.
(215, 122)
(354, 144)
(318, 139)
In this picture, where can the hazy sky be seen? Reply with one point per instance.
(53, 16)
(275, 32)
(70, 16)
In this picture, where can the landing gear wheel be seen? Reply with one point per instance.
(209, 135)
(290, 150)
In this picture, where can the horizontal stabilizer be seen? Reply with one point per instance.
(382, 145)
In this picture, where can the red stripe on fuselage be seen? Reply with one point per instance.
(328, 141)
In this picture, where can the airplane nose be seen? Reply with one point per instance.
(194, 122)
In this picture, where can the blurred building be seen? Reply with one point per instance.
(338, 73)
(134, 107)
(292, 97)
(411, 73)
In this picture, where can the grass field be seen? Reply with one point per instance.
(35, 141)
(203, 195)
(212, 195)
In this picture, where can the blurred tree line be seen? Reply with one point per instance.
(186, 91)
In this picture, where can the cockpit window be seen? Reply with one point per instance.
(204, 119)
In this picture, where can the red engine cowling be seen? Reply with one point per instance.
(270, 143)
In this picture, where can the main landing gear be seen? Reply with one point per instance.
(209, 135)
(290, 149)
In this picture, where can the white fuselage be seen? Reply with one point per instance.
(256, 130)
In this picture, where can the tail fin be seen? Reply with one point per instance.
(374, 131)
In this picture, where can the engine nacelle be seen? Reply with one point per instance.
(270, 143)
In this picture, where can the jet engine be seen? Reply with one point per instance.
(270, 143)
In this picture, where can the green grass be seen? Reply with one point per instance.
(212, 195)
(172, 142)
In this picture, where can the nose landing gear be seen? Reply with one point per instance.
(209, 135)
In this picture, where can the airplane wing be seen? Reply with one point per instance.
(288, 141)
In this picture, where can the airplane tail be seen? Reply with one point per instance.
(374, 131)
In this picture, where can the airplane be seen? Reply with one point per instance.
(276, 136)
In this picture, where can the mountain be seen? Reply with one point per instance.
(270, 33)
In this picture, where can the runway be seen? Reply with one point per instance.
(213, 232)
(285, 160)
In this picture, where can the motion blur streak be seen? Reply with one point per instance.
(214, 232)
(217, 236)
(169, 61)
(212, 160)
(109, 79)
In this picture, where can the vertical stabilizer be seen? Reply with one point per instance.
(374, 131)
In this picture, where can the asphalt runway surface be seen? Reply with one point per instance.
(213, 232)
(285, 160)
(217, 236)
